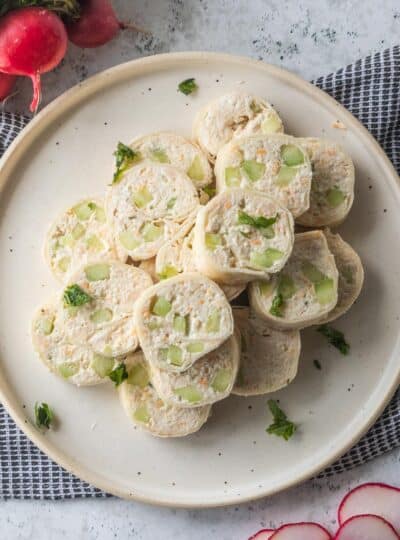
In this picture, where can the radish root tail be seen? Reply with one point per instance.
(37, 92)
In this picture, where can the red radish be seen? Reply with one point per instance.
(33, 41)
(6, 85)
(96, 25)
(366, 527)
(264, 534)
(301, 531)
(372, 498)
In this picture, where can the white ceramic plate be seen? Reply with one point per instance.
(66, 154)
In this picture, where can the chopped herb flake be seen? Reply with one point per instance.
(211, 191)
(317, 364)
(259, 222)
(187, 86)
(171, 203)
(43, 415)
(276, 306)
(335, 338)
(75, 296)
(281, 426)
(118, 374)
(124, 157)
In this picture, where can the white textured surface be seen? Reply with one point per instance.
(309, 38)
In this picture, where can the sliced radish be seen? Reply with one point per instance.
(367, 527)
(373, 498)
(264, 534)
(301, 531)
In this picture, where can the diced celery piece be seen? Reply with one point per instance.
(128, 240)
(63, 263)
(232, 176)
(311, 272)
(221, 380)
(291, 155)
(45, 325)
(72, 311)
(67, 240)
(107, 351)
(97, 272)
(286, 287)
(195, 347)
(189, 393)
(94, 243)
(151, 232)
(213, 240)
(181, 324)
(266, 287)
(139, 375)
(68, 369)
(142, 197)
(163, 354)
(102, 365)
(254, 170)
(84, 210)
(141, 414)
(158, 154)
(78, 231)
(324, 290)
(100, 214)
(175, 355)
(213, 321)
(285, 175)
(268, 232)
(195, 171)
(335, 197)
(272, 124)
(168, 271)
(171, 203)
(101, 315)
(153, 325)
(265, 258)
(161, 306)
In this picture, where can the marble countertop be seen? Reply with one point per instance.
(310, 38)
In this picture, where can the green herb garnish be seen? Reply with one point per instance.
(317, 364)
(335, 338)
(75, 296)
(171, 203)
(118, 374)
(187, 86)
(276, 306)
(124, 158)
(281, 426)
(210, 191)
(43, 415)
(259, 222)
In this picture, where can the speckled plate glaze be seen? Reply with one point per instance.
(64, 155)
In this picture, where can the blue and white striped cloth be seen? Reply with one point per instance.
(370, 89)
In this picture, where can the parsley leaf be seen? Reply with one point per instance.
(119, 374)
(75, 296)
(187, 86)
(43, 415)
(335, 338)
(210, 191)
(124, 157)
(281, 426)
(276, 306)
(259, 222)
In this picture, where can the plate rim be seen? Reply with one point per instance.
(82, 91)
